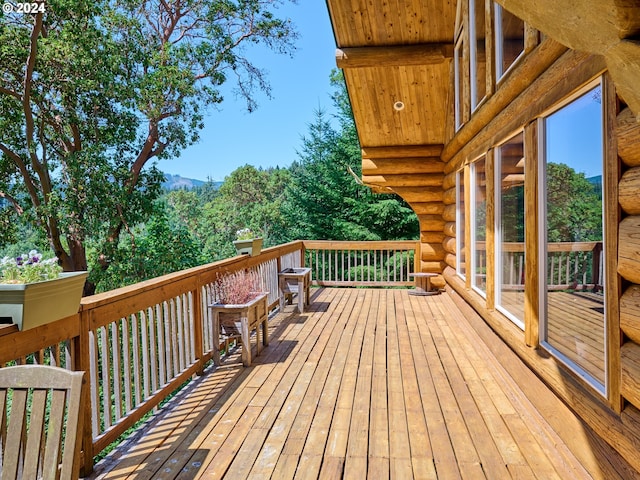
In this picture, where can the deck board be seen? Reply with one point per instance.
(367, 383)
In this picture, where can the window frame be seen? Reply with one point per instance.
(499, 42)
(473, 57)
(497, 208)
(582, 373)
(458, 79)
(460, 221)
(472, 223)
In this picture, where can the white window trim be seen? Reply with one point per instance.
(473, 57)
(498, 38)
(472, 223)
(459, 221)
(458, 58)
(497, 208)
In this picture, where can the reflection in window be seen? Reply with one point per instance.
(573, 289)
(478, 54)
(509, 39)
(479, 223)
(460, 223)
(510, 250)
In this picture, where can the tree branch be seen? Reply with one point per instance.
(28, 78)
(10, 93)
(17, 160)
(16, 206)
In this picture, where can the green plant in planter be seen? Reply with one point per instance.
(35, 292)
(245, 234)
(248, 242)
(29, 268)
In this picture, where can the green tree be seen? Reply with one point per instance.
(325, 199)
(249, 198)
(92, 92)
(574, 206)
(156, 248)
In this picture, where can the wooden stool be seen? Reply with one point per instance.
(423, 284)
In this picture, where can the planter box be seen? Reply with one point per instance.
(294, 280)
(33, 304)
(246, 317)
(252, 246)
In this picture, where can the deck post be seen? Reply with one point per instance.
(303, 251)
(82, 362)
(198, 320)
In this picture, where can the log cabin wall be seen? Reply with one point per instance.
(554, 73)
(416, 175)
(627, 134)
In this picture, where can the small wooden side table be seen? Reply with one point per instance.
(423, 283)
(295, 280)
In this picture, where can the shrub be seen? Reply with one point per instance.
(237, 288)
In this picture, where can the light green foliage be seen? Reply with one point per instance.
(156, 248)
(249, 198)
(92, 92)
(28, 268)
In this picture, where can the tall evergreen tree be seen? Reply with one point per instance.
(325, 200)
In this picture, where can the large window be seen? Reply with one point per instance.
(478, 53)
(479, 226)
(509, 34)
(461, 226)
(510, 232)
(572, 290)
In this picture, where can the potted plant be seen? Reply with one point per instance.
(34, 291)
(248, 242)
(240, 304)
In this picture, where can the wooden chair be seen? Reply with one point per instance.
(39, 411)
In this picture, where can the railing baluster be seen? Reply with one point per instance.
(180, 338)
(117, 377)
(151, 355)
(161, 325)
(106, 381)
(126, 363)
(173, 338)
(93, 374)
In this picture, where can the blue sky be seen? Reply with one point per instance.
(271, 134)
(574, 135)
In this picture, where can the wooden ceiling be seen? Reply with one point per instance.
(396, 51)
(401, 51)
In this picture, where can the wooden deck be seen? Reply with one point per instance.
(368, 383)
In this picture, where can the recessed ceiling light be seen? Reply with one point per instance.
(398, 106)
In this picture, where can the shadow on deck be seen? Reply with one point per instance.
(369, 383)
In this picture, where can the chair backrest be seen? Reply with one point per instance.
(40, 422)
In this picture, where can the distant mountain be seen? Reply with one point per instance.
(176, 182)
(597, 181)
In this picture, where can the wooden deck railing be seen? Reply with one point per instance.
(141, 343)
(361, 263)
